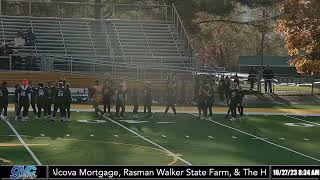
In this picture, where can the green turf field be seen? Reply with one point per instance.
(163, 141)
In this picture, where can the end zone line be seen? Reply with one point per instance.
(262, 139)
(302, 120)
(144, 138)
(23, 143)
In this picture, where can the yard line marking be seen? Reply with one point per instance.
(144, 138)
(269, 142)
(23, 143)
(260, 138)
(302, 120)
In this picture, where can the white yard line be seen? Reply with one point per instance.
(23, 143)
(262, 139)
(144, 138)
(303, 120)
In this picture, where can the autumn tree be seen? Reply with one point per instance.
(300, 25)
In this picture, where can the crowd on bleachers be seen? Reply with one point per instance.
(19, 61)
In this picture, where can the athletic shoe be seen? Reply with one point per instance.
(24, 119)
(210, 118)
(37, 118)
(16, 118)
(203, 118)
(67, 119)
(233, 119)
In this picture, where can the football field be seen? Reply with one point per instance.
(182, 140)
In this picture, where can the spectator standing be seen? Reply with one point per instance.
(222, 84)
(268, 77)
(252, 77)
(30, 38)
(227, 88)
(19, 40)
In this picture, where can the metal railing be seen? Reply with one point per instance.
(140, 12)
(284, 84)
(181, 30)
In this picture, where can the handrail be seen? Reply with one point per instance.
(115, 28)
(183, 29)
(147, 39)
(35, 43)
(52, 2)
(64, 43)
(94, 49)
(108, 42)
(4, 38)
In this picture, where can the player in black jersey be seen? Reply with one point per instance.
(51, 90)
(107, 96)
(33, 99)
(24, 100)
(16, 97)
(147, 98)
(59, 102)
(4, 100)
(210, 98)
(120, 101)
(41, 100)
(68, 100)
(135, 100)
(171, 98)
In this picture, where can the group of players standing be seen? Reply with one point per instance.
(230, 87)
(59, 96)
(41, 98)
(108, 93)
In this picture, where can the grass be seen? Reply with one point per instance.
(199, 142)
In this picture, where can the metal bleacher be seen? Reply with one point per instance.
(121, 47)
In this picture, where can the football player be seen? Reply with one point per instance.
(171, 98)
(51, 91)
(59, 102)
(135, 100)
(147, 96)
(120, 100)
(107, 96)
(33, 99)
(4, 100)
(24, 100)
(41, 100)
(68, 100)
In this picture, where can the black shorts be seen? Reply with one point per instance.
(106, 99)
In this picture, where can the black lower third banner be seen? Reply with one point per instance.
(159, 172)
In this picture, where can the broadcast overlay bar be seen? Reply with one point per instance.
(159, 172)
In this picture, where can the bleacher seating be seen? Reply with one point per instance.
(142, 43)
(148, 41)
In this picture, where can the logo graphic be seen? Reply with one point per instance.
(23, 172)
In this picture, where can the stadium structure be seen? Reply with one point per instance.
(116, 45)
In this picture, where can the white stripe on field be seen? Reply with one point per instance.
(269, 142)
(302, 120)
(23, 143)
(144, 138)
